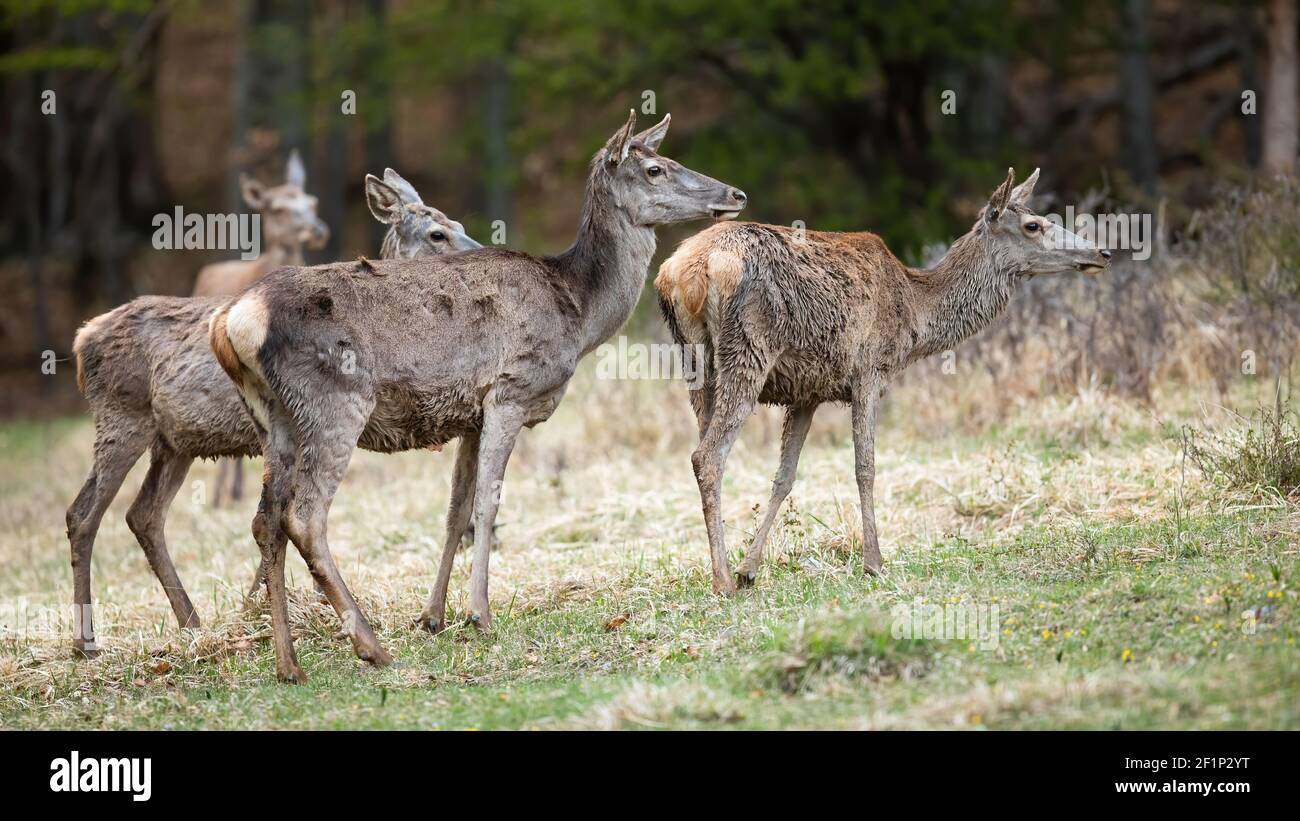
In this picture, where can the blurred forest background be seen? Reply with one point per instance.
(826, 112)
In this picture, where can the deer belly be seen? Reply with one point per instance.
(807, 380)
(407, 418)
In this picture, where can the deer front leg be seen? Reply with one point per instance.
(795, 431)
(114, 456)
(866, 401)
(458, 514)
(501, 425)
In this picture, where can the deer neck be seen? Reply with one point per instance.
(961, 295)
(605, 266)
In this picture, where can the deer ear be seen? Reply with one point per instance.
(1021, 193)
(617, 146)
(654, 135)
(294, 172)
(1001, 197)
(384, 202)
(401, 186)
(253, 192)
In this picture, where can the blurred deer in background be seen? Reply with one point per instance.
(798, 318)
(149, 376)
(288, 222)
(405, 355)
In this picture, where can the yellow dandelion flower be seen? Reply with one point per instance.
(1126, 656)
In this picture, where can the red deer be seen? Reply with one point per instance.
(798, 318)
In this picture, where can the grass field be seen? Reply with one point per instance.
(1125, 591)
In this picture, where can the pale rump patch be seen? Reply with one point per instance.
(698, 269)
(246, 326)
(725, 270)
(236, 334)
(83, 334)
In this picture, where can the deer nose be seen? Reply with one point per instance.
(1104, 254)
(739, 196)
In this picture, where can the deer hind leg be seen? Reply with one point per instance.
(795, 431)
(501, 425)
(735, 397)
(147, 518)
(279, 460)
(116, 450)
(866, 402)
(324, 460)
(459, 508)
(702, 395)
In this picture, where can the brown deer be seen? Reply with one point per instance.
(405, 355)
(288, 222)
(797, 318)
(148, 374)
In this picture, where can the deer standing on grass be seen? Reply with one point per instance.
(149, 376)
(405, 355)
(797, 318)
(288, 222)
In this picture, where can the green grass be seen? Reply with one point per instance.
(1090, 636)
(1128, 594)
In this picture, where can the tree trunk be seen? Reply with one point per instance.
(1280, 126)
(1141, 159)
(1247, 43)
(496, 126)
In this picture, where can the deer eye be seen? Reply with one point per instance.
(1031, 227)
(437, 236)
(654, 171)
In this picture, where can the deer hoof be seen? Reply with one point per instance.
(291, 675)
(85, 651)
(434, 626)
(480, 621)
(378, 657)
(724, 586)
(745, 578)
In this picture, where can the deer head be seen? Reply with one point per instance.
(654, 190)
(1029, 244)
(288, 212)
(417, 230)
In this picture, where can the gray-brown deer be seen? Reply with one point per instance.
(149, 376)
(405, 355)
(798, 318)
